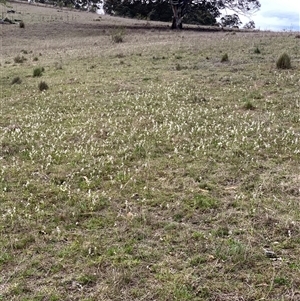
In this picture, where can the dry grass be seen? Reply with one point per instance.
(141, 174)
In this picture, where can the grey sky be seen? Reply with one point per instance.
(277, 15)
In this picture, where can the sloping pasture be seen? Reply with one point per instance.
(149, 170)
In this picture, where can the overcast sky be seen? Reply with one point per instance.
(277, 15)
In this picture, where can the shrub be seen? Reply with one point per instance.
(38, 71)
(224, 58)
(16, 80)
(284, 62)
(35, 59)
(43, 86)
(22, 24)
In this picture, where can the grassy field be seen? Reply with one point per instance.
(149, 169)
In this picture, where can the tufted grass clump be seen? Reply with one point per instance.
(178, 67)
(257, 50)
(16, 80)
(249, 106)
(224, 58)
(118, 35)
(43, 86)
(19, 59)
(58, 66)
(284, 62)
(38, 71)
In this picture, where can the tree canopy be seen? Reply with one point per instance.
(202, 12)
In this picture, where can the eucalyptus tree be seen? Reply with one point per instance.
(244, 7)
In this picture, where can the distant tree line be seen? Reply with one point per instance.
(200, 12)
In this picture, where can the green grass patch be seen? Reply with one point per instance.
(203, 202)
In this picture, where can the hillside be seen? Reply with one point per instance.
(155, 164)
